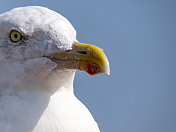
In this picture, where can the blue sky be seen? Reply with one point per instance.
(139, 38)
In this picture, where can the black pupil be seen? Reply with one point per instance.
(15, 35)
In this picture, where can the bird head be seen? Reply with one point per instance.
(38, 44)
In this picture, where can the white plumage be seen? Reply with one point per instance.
(36, 93)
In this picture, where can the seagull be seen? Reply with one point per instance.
(39, 55)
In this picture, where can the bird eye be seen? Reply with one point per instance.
(15, 36)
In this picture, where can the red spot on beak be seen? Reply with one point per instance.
(92, 68)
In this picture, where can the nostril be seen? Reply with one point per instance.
(82, 52)
(68, 50)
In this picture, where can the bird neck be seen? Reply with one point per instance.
(16, 78)
(21, 111)
(30, 96)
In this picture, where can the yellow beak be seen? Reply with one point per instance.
(84, 57)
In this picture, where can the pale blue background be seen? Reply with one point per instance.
(139, 38)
